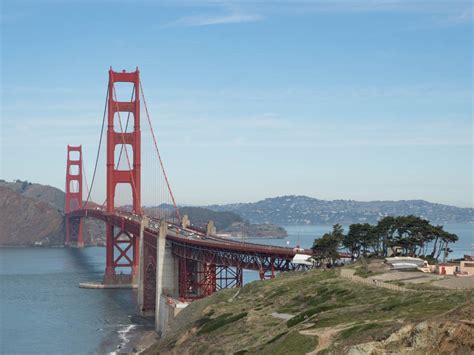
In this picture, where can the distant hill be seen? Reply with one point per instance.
(44, 193)
(25, 221)
(294, 210)
(200, 216)
(32, 214)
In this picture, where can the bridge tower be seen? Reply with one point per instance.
(122, 247)
(73, 196)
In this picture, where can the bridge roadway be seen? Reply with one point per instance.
(192, 243)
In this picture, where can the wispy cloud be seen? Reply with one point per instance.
(463, 17)
(230, 14)
(193, 21)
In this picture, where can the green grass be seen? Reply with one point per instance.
(292, 343)
(276, 337)
(309, 313)
(357, 329)
(222, 320)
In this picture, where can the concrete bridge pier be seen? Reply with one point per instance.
(167, 274)
(144, 222)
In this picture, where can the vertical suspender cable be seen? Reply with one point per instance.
(158, 154)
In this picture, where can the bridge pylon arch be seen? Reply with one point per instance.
(73, 198)
(121, 246)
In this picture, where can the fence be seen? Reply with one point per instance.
(349, 274)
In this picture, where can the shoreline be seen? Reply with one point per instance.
(130, 338)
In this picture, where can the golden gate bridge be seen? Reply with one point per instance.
(163, 254)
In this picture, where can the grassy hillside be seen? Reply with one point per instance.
(319, 312)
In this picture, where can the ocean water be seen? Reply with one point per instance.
(43, 311)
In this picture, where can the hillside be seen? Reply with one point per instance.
(320, 312)
(43, 193)
(293, 210)
(25, 221)
(201, 216)
(246, 230)
(33, 214)
(229, 223)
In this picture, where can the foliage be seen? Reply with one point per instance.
(408, 235)
(326, 248)
(360, 238)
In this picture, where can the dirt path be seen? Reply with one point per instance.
(371, 281)
(325, 336)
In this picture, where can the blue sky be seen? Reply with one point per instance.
(363, 100)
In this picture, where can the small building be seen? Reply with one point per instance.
(446, 269)
(467, 268)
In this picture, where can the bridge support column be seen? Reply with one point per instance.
(122, 248)
(185, 222)
(141, 264)
(166, 280)
(211, 228)
(73, 201)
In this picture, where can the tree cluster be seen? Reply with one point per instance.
(405, 235)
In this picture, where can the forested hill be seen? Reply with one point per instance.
(292, 210)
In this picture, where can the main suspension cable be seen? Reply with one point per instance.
(98, 149)
(85, 176)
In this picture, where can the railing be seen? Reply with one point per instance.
(370, 281)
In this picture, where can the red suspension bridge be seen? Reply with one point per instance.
(159, 251)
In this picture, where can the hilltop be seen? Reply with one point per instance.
(318, 311)
(294, 210)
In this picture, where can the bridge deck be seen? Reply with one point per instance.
(131, 223)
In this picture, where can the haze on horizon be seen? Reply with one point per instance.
(329, 99)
